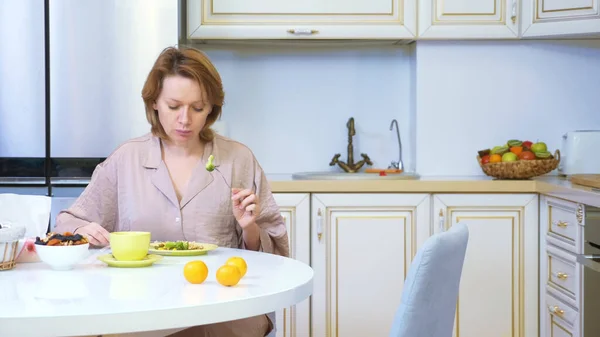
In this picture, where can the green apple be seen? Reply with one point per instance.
(539, 147)
(509, 156)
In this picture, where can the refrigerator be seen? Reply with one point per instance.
(71, 76)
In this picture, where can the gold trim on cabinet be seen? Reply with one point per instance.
(537, 10)
(397, 16)
(468, 14)
(437, 16)
(292, 243)
(559, 275)
(550, 230)
(579, 214)
(521, 259)
(553, 322)
(392, 3)
(352, 209)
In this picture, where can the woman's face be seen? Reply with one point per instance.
(182, 109)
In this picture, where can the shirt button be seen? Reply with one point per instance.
(177, 219)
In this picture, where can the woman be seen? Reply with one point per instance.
(159, 182)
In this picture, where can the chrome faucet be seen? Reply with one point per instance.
(397, 165)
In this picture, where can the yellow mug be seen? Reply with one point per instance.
(129, 246)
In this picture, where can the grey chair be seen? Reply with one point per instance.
(428, 303)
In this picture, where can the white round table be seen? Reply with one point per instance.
(94, 299)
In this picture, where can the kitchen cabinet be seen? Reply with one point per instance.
(498, 293)
(468, 19)
(277, 19)
(547, 18)
(295, 210)
(560, 274)
(361, 248)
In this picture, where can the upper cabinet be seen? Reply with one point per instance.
(308, 19)
(468, 19)
(543, 18)
(396, 20)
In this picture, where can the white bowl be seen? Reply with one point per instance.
(62, 257)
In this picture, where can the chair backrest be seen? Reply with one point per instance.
(430, 294)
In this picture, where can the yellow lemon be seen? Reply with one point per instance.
(195, 272)
(238, 262)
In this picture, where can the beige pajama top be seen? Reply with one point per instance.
(132, 191)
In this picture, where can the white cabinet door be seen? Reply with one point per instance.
(295, 209)
(560, 18)
(311, 19)
(362, 247)
(499, 284)
(468, 19)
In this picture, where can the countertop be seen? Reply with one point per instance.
(552, 185)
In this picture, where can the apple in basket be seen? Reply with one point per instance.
(62, 251)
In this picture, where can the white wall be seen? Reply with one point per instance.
(474, 95)
(290, 106)
(450, 99)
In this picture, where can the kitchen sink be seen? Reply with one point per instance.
(352, 176)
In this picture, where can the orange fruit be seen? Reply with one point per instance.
(495, 158)
(195, 272)
(228, 275)
(516, 150)
(238, 262)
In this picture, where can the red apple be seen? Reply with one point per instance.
(527, 144)
(485, 159)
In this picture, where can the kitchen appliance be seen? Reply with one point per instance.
(72, 75)
(590, 281)
(577, 152)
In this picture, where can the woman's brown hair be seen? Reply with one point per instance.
(190, 63)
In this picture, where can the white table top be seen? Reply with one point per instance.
(93, 299)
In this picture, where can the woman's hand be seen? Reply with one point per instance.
(245, 207)
(96, 234)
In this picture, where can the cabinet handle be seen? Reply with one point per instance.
(562, 275)
(556, 310)
(303, 31)
(441, 223)
(319, 225)
(514, 12)
(562, 224)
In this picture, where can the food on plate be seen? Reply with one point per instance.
(509, 156)
(228, 275)
(195, 272)
(176, 245)
(239, 262)
(515, 150)
(210, 166)
(66, 239)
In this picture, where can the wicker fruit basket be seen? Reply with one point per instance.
(521, 169)
(9, 241)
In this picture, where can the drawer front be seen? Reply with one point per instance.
(563, 272)
(563, 222)
(561, 319)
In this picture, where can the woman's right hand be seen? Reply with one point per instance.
(96, 234)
